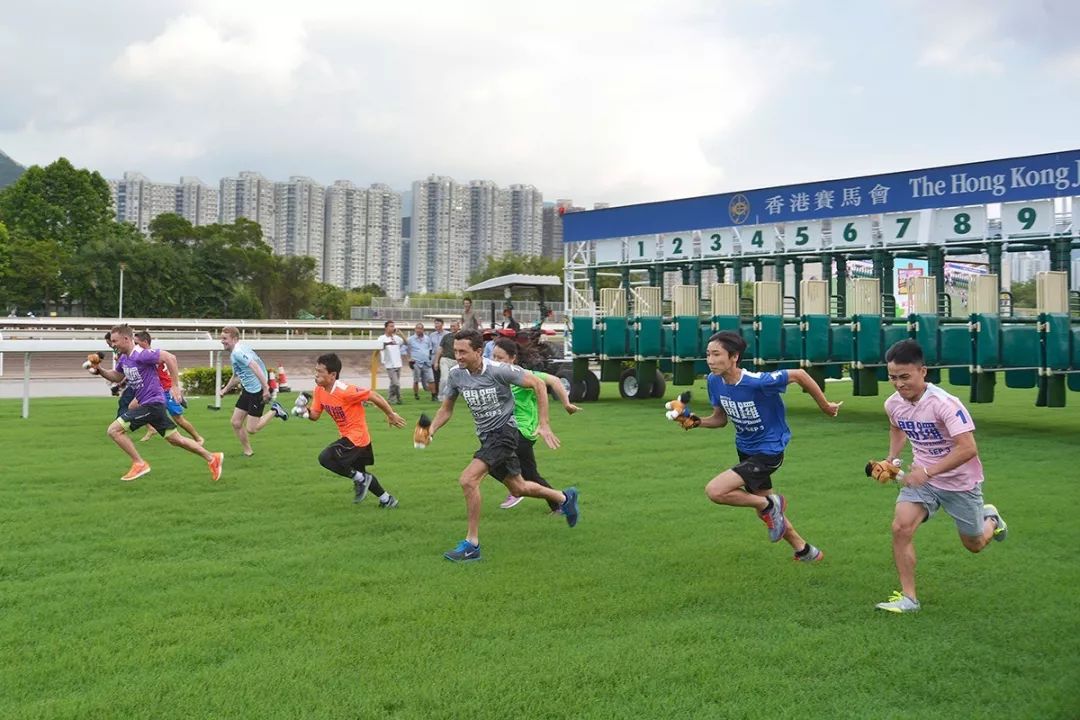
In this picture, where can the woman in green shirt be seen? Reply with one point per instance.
(525, 412)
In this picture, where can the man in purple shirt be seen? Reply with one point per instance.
(139, 367)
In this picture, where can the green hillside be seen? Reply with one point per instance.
(9, 170)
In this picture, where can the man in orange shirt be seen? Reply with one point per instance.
(351, 455)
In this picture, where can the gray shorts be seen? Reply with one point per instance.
(424, 374)
(964, 506)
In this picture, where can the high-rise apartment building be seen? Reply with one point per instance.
(363, 237)
(441, 226)
(251, 196)
(526, 219)
(196, 202)
(551, 244)
(385, 240)
(299, 217)
(489, 232)
(138, 201)
(345, 253)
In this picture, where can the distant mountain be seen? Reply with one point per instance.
(9, 170)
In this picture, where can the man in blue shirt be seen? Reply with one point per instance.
(248, 371)
(751, 402)
(421, 351)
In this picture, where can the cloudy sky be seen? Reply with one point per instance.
(596, 101)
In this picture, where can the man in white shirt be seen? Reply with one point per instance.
(391, 360)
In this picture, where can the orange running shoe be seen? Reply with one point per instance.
(215, 466)
(137, 471)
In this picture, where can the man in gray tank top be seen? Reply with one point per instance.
(485, 386)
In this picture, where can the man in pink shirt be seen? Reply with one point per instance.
(945, 473)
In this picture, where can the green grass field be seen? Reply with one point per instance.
(270, 595)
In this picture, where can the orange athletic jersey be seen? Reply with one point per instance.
(345, 405)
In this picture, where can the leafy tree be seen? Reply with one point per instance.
(294, 285)
(245, 303)
(173, 229)
(1023, 294)
(33, 280)
(370, 289)
(57, 203)
(329, 301)
(5, 263)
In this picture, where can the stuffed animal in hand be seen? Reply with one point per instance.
(679, 411)
(884, 471)
(300, 407)
(92, 361)
(422, 434)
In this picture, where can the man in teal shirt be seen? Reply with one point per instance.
(249, 372)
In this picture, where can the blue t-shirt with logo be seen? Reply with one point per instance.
(755, 408)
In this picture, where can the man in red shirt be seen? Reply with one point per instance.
(176, 410)
(351, 455)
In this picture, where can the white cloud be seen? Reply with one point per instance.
(592, 101)
(580, 100)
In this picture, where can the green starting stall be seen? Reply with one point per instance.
(628, 318)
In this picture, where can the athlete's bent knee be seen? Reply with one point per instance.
(973, 544)
(329, 460)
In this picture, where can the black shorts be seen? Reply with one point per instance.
(498, 450)
(348, 456)
(155, 415)
(251, 402)
(756, 470)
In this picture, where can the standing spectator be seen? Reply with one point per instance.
(468, 317)
(444, 356)
(436, 340)
(421, 356)
(391, 360)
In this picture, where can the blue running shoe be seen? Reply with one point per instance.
(279, 411)
(361, 487)
(569, 507)
(774, 518)
(464, 552)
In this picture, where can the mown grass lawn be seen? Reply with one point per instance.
(270, 595)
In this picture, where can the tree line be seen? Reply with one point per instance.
(61, 250)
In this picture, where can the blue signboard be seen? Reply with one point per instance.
(1027, 178)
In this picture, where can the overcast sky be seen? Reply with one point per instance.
(595, 101)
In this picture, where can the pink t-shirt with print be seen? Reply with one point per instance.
(931, 425)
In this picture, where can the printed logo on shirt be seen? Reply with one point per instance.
(744, 414)
(483, 402)
(134, 379)
(920, 431)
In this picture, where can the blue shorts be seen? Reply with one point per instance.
(172, 406)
